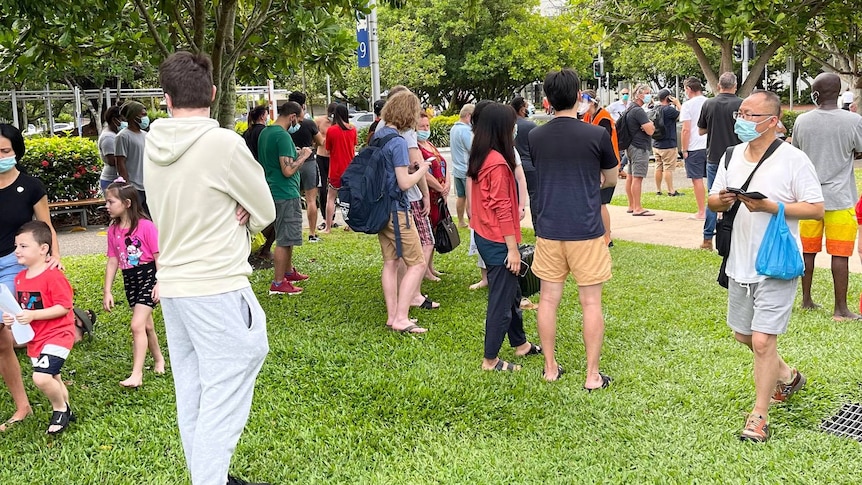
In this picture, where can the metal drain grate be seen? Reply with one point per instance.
(847, 423)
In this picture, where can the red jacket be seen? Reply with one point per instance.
(494, 200)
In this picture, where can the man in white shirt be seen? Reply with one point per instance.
(619, 106)
(694, 144)
(847, 99)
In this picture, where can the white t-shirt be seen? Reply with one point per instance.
(786, 176)
(691, 112)
(847, 97)
(617, 108)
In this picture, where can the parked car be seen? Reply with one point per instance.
(63, 127)
(361, 119)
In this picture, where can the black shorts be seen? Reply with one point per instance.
(607, 194)
(139, 282)
(48, 363)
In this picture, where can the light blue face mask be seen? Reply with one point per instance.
(293, 128)
(423, 135)
(747, 130)
(647, 98)
(515, 132)
(145, 122)
(7, 163)
(124, 125)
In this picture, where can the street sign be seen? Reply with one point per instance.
(362, 51)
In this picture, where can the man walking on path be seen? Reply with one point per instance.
(759, 307)
(460, 140)
(716, 122)
(830, 136)
(694, 144)
(574, 160)
(216, 328)
(640, 149)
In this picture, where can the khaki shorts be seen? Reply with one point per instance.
(411, 248)
(665, 159)
(840, 229)
(589, 262)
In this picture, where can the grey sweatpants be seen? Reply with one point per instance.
(217, 346)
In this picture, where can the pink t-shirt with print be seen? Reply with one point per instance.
(136, 248)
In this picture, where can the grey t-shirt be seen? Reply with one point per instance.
(413, 193)
(131, 145)
(829, 138)
(107, 143)
(636, 118)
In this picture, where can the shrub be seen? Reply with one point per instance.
(361, 136)
(440, 126)
(240, 127)
(69, 166)
(154, 114)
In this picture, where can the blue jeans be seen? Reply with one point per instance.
(709, 223)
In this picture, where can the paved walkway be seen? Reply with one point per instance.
(666, 228)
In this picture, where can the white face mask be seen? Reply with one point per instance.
(583, 107)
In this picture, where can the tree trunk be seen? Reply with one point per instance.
(703, 61)
(757, 69)
(223, 74)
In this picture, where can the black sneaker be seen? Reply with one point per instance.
(239, 481)
(313, 238)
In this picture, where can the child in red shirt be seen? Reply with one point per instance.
(45, 296)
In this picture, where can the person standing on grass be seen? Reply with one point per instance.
(257, 122)
(759, 307)
(308, 135)
(716, 122)
(215, 326)
(598, 116)
(22, 199)
(460, 141)
(522, 146)
(694, 144)
(438, 183)
(495, 218)
(341, 143)
(640, 149)
(574, 161)
(322, 157)
(281, 164)
(129, 148)
(830, 137)
(133, 247)
(401, 114)
(45, 296)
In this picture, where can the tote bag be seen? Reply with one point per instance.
(446, 237)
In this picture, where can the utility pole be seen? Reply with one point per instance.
(372, 47)
(745, 59)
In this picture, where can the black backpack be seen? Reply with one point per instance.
(657, 118)
(624, 135)
(365, 196)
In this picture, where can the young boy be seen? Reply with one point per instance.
(46, 302)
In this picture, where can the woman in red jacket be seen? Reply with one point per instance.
(341, 144)
(495, 218)
(438, 183)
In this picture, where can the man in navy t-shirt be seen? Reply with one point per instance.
(573, 161)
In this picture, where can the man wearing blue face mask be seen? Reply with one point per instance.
(830, 136)
(759, 306)
(640, 149)
(129, 147)
(281, 164)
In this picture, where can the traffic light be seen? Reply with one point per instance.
(737, 52)
(598, 68)
(751, 50)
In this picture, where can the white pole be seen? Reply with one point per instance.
(372, 47)
(78, 110)
(270, 84)
(745, 59)
(50, 110)
(15, 110)
(328, 90)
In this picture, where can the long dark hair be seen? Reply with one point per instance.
(492, 131)
(126, 191)
(113, 118)
(16, 139)
(342, 117)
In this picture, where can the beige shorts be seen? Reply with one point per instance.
(665, 159)
(411, 248)
(589, 262)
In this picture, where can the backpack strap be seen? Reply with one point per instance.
(768, 153)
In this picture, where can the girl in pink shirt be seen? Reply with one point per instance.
(133, 247)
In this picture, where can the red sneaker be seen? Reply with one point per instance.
(295, 275)
(756, 429)
(284, 288)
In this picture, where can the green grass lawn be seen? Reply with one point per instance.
(342, 400)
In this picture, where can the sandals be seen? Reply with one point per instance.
(12, 422)
(61, 419)
(560, 372)
(534, 350)
(503, 366)
(428, 304)
(606, 381)
(410, 329)
(85, 319)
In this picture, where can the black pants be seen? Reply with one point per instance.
(532, 188)
(323, 193)
(504, 311)
(142, 198)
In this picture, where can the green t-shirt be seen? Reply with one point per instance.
(275, 142)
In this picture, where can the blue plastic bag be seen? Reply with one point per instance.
(779, 256)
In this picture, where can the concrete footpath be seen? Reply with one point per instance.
(666, 228)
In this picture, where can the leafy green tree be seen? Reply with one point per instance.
(659, 63)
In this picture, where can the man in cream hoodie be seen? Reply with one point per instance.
(206, 201)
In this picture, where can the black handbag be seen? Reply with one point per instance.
(446, 237)
(527, 280)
